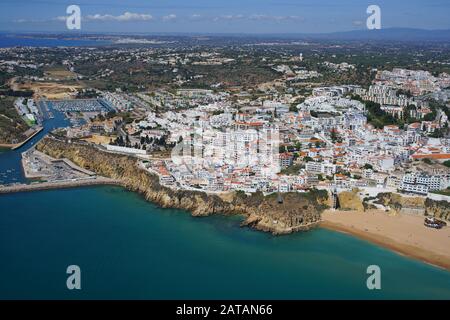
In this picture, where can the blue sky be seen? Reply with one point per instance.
(220, 16)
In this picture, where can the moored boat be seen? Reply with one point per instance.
(432, 222)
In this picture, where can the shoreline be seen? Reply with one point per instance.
(58, 185)
(416, 252)
(14, 146)
(417, 248)
(296, 212)
(401, 233)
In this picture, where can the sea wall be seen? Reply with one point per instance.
(58, 184)
(298, 211)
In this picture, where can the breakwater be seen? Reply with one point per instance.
(58, 185)
(298, 211)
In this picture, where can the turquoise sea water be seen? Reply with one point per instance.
(129, 248)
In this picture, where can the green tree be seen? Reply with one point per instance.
(447, 163)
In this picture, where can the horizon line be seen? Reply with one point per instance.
(81, 32)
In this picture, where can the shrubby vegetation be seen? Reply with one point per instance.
(12, 125)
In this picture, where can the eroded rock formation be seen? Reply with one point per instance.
(298, 211)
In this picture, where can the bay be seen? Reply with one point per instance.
(128, 248)
(7, 41)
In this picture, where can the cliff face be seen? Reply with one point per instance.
(349, 200)
(396, 202)
(438, 209)
(297, 212)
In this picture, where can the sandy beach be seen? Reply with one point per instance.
(402, 233)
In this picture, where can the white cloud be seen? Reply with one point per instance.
(55, 19)
(287, 18)
(60, 18)
(258, 17)
(274, 18)
(232, 17)
(229, 17)
(134, 17)
(169, 17)
(125, 17)
(196, 17)
(253, 17)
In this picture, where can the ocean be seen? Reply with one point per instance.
(7, 41)
(128, 248)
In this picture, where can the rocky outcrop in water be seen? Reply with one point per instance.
(298, 211)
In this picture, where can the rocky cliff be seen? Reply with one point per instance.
(350, 200)
(397, 202)
(427, 206)
(299, 211)
(438, 209)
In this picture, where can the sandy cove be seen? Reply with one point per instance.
(402, 233)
